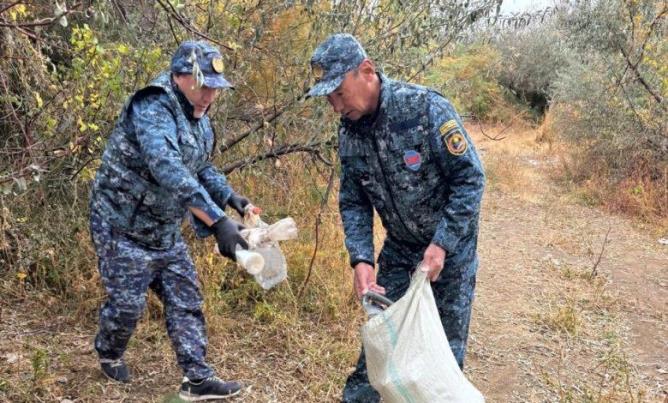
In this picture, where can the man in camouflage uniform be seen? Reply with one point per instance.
(155, 170)
(404, 152)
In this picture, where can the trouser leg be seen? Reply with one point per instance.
(454, 300)
(125, 274)
(179, 291)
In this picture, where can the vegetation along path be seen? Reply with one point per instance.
(571, 306)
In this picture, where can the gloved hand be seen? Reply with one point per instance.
(238, 203)
(228, 236)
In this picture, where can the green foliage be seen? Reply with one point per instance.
(530, 60)
(39, 362)
(610, 99)
(60, 96)
(468, 78)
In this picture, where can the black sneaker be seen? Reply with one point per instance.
(115, 369)
(208, 389)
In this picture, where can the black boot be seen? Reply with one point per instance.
(115, 369)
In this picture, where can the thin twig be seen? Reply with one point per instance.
(169, 8)
(312, 148)
(230, 143)
(42, 22)
(495, 138)
(9, 6)
(600, 255)
(318, 221)
(639, 77)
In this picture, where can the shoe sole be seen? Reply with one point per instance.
(111, 378)
(196, 398)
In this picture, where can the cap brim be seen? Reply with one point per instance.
(323, 87)
(217, 81)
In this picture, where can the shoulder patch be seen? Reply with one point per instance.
(456, 143)
(447, 126)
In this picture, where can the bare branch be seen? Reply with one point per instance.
(42, 22)
(169, 8)
(600, 255)
(318, 221)
(639, 77)
(498, 135)
(314, 147)
(8, 6)
(231, 143)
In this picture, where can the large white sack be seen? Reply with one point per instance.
(408, 357)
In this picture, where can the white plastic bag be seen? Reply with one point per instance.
(264, 258)
(408, 357)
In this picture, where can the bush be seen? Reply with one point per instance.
(468, 79)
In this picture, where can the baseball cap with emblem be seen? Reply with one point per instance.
(331, 60)
(204, 60)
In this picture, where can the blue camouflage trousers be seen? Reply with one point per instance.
(128, 270)
(454, 297)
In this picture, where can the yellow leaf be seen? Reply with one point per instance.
(233, 45)
(21, 276)
(82, 125)
(38, 99)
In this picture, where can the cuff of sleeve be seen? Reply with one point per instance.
(201, 229)
(211, 209)
(445, 239)
(360, 259)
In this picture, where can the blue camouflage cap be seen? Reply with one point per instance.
(203, 60)
(331, 60)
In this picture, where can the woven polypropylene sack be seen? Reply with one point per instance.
(408, 357)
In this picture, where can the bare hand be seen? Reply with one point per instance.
(433, 261)
(365, 280)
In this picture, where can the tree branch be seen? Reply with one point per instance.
(314, 147)
(231, 143)
(318, 221)
(639, 77)
(169, 8)
(38, 23)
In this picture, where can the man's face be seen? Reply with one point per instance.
(199, 97)
(355, 97)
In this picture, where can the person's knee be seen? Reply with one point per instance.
(126, 310)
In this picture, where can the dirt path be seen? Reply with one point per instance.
(544, 329)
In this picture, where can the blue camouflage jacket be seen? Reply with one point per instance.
(157, 164)
(416, 165)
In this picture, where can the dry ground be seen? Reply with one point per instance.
(544, 329)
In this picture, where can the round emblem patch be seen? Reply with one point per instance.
(456, 144)
(217, 65)
(317, 71)
(413, 160)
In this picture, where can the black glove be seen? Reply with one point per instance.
(228, 236)
(238, 203)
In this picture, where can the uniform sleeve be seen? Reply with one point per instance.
(357, 216)
(215, 184)
(463, 172)
(156, 132)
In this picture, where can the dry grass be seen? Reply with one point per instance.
(284, 347)
(641, 192)
(512, 165)
(542, 329)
